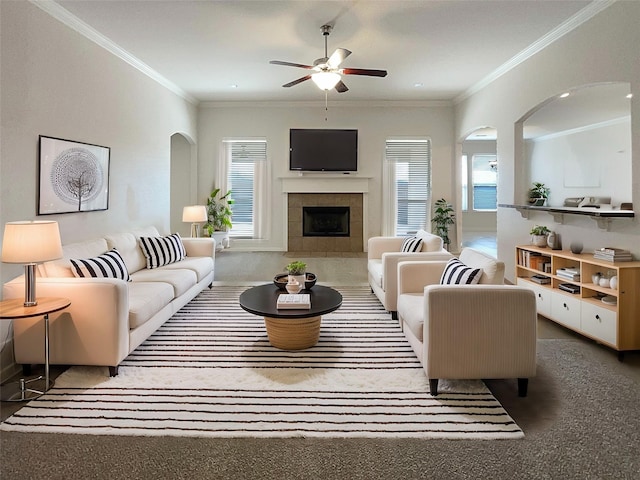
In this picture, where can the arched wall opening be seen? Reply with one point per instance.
(183, 180)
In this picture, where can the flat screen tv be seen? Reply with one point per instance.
(323, 150)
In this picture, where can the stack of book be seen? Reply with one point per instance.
(294, 301)
(611, 254)
(541, 279)
(569, 273)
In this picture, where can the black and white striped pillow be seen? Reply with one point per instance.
(411, 244)
(108, 265)
(457, 273)
(161, 251)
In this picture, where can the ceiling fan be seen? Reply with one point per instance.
(326, 72)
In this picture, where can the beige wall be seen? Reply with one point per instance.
(57, 83)
(603, 49)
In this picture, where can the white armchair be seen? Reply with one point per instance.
(478, 331)
(383, 256)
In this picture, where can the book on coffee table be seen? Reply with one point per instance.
(295, 301)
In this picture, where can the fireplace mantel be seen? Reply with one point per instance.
(325, 184)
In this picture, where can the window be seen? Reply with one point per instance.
(408, 182)
(245, 164)
(479, 171)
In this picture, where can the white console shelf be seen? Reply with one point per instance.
(617, 326)
(601, 216)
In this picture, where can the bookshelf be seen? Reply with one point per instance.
(614, 325)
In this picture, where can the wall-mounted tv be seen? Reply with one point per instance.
(323, 150)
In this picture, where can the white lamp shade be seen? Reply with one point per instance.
(325, 80)
(31, 242)
(194, 213)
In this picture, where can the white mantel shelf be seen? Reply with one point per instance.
(325, 184)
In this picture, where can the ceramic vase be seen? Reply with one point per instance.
(576, 247)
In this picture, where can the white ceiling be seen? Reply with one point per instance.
(206, 47)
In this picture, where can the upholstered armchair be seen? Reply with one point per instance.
(383, 256)
(461, 331)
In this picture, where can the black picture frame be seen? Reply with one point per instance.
(73, 176)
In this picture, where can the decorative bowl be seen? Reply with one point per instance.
(281, 280)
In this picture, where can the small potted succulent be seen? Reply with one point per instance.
(539, 235)
(297, 270)
(538, 194)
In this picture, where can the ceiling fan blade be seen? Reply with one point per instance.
(289, 64)
(296, 82)
(338, 57)
(364, 71)
(341, 87)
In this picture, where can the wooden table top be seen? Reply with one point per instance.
(14, 308)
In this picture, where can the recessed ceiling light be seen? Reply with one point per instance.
(565, 95)
(418, 85)
(630, 95)
(233, 86)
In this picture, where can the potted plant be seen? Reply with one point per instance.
(443, 217)
(298, 271)
(219, 217)
(538, 194)
(539, 235)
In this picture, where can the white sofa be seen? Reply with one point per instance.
(383, 256)
(481, 331)
(108, 317)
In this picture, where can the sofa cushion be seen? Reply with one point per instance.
(492, 269)
(62, 267)
(411, 244)
(127, 244)
(412, 307)
(107, 265)
(161, 251)
(146, 299)
(180, 279)
(457, 273)
(202, 266)
(430, 242)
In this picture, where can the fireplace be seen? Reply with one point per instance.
(325, 221)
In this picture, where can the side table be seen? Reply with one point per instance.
(14, 309)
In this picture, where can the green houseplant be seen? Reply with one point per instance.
(297, 270)
(442, 219)
(218, 212)
(538, 194)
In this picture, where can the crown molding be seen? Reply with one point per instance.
(560, 31)
(333, 104)
(67, 18)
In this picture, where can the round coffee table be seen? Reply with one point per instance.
(290, 329)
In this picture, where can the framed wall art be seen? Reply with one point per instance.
(74, 176)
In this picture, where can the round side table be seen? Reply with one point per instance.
(14, 309)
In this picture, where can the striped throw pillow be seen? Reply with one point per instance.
(457, 273)
(108, 265)
(161, 251)
(411, 244)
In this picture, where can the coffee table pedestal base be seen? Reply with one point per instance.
(293, 333)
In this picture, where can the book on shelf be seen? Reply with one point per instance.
(299, 301)
(567, 287)
(569, 273)
(611, 254)
(541, 279)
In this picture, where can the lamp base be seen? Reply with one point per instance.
(195, 230)
(30, 285)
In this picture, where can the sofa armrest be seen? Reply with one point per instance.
(93, 330)
(200, 247)
(376, 246)
(414, 276)
(491, 329)
(390, 262)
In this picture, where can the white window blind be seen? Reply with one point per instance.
(246, 160)
(409, 166)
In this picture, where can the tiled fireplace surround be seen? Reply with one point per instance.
(298, 243)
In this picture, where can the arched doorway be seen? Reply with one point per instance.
(478, 179)
(183, 181)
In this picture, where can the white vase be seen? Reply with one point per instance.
(613, 282)
(300, 279)
(539, 240)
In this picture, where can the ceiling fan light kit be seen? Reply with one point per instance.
(326, 74)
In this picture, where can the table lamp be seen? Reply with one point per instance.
(31, 243)
(195, 214)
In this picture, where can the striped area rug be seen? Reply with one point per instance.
(210, 372)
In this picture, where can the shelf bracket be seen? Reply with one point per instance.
(524, 212)
(558, 217)
(603, 222)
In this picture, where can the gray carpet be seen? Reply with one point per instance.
(580, 422)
